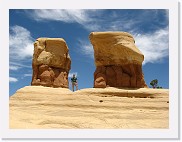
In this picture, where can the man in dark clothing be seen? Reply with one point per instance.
(74, 82)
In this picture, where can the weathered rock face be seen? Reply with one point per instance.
(118, 61)
(51, 62)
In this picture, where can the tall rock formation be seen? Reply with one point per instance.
(51, 63)
(118, 61)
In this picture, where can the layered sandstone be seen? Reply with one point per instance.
(118, 61)
(38, 107)
(51, 62)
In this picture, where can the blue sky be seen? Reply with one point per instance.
(149, 28)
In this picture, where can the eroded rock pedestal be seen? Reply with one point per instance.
(51, 63)
(118, 61)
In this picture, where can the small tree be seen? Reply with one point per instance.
(154, 83)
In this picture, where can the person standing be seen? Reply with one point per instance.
(74, 82)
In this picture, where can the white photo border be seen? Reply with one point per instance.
(171, 133)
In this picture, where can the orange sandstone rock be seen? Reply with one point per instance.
(51, 62)
(118, 61)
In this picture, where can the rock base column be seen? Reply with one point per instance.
(129, 76)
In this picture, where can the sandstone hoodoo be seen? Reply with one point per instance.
(118, 61)
(51, 63)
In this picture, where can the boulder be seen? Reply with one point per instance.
(118, 61)
(51, 62)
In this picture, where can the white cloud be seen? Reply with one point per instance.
(98, 19)
(12, 79)
(71, 74)
(27, 75)
(20, 65)
(14, 68)
(86, 48)
(154, 46)
(65, 15)
(87, 18)
(20, 43)
(20, 50)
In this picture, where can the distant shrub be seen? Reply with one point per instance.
(154, 84)
(159, 87)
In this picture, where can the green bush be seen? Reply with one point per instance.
(154, 84)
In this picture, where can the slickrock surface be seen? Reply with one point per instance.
(51, 62)
(94, 108)
(118, 61)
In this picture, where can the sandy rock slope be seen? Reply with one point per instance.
(43, 107)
